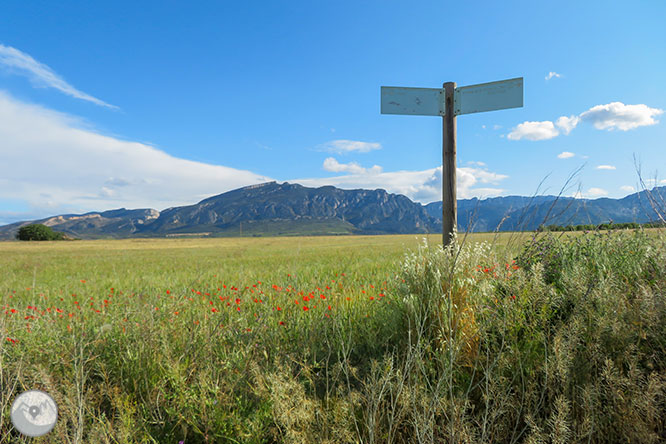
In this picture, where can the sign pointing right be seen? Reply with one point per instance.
(488, 96)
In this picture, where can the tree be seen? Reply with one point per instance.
(38, 232)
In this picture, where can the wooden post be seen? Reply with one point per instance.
(449, 204)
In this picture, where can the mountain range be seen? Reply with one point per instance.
(291, 209)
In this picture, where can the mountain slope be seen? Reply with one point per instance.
(368, 211)
(265, 209)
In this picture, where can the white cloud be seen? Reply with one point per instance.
(617, 115)
(534, 131)
(596, 192)
(552, 74)
(330, 164)
(347, 146)
(565, 155)
(422, 186)
(566, 124)
(496, 127)
(605, 167)
(628, 188)
(41, 75)
(54, 165)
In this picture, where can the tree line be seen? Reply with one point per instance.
(604, 226)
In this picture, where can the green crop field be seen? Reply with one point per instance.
(339, 339)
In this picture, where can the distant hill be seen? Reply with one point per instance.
(262, 210)
(518, 213)
(272, 209)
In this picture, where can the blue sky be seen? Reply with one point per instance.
(156, 104)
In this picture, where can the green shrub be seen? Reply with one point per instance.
(38, 232)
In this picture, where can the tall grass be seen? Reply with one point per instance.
(560, 339)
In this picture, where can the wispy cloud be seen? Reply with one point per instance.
(553, 74)
(565, 155)
(628, 188)
(331, 164)
(617, 115)
(605, 167)
(58, 166)
(13, 60)
(534, 131)
(343, 146)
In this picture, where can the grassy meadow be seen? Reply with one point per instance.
(344, 339)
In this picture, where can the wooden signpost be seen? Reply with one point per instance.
(449, 102)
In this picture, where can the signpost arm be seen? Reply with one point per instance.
(449, 204)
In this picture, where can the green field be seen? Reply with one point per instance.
(338, 339)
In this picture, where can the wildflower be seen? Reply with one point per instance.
(329, 307)
(305, 308)
(168, 292)
(281, 323)
(278, 308)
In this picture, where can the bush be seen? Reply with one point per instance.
(566, 344)
(38, 232)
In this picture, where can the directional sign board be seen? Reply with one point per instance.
(413, 101)
(449, 102)
(488, 96)
(467, 99)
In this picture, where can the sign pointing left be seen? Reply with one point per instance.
(413, 101)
